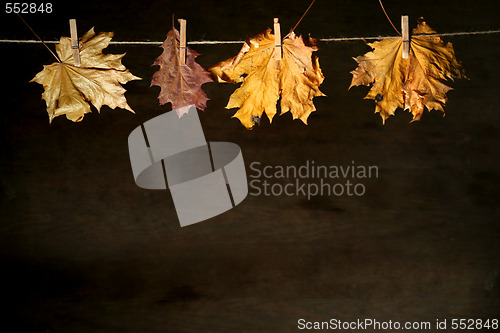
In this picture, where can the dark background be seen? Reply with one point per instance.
(83, 249)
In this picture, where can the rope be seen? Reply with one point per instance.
(215, 42)
(347, 39)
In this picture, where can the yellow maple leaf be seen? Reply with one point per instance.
(412, 83)
(67, 88)
(296, 78)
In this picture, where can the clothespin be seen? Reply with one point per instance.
(406, 36)
(182, 46)
(74, 42)
(277, 39)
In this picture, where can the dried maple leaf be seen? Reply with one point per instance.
(67, 88)
(412, 83)
(180, 84)
(296, 77)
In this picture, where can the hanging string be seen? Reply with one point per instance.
(221, 42)
(39, 38)
(381, 5)
(291, 30)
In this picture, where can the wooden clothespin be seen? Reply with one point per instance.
(182, 46)
(74, 42)
(277, 39)
(406, 36)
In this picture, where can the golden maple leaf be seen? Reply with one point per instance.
(67, 88)
(296, 77)
(412, 83)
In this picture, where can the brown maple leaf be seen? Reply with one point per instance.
(68, 88)
(180, 84)
(296, 78)
(412, 83)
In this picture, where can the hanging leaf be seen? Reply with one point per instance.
(180, 84)
(412, 83)
(296, 78)
(68, 89)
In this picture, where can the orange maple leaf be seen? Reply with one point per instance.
(412, 83)
(296, 78)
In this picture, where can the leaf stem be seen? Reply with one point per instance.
(291, 30)
(40, 39)
(381, 5)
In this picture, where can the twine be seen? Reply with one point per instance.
(216, 42)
